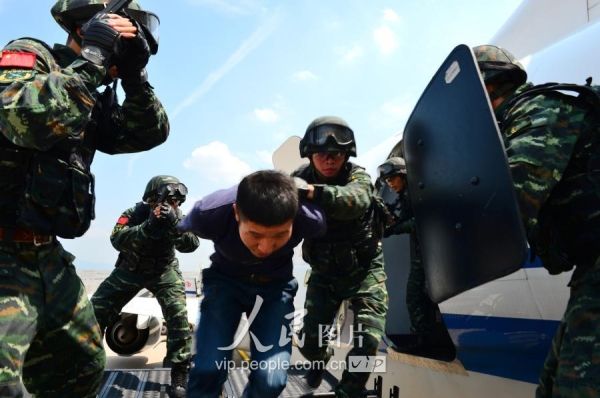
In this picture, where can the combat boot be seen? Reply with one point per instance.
(179, 377)
(430, 346)
(314, 376)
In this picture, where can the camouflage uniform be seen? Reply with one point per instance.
(347, 264)
(147, 260)
(553, 153)
(51, 125)
(421, 310)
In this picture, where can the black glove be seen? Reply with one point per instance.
(168, 214)
(163, 223)
(302, 187)
(155, 224)
(133, 56)
(99, 42)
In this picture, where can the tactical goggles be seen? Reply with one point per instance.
(149, 23)
(172, 199)
(335, 155)
(319, 135)
(391, 177)
(384, 170)
(494, 71)
(388, 170)
(175, 190)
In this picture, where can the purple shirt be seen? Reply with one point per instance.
(213, 218)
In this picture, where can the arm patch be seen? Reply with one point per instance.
(17, 59)
(123, 220)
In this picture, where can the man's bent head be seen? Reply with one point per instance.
(266, 206)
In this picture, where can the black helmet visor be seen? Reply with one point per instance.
(389, 169)
(319, 135)
(150, 24)
(385, 170)
(177, 191)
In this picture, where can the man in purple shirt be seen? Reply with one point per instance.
(255, 227)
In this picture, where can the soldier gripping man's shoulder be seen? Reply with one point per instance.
(347, 262)
(146, 238)
(52, 121)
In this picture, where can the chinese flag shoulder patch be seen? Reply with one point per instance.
(17, 59)
(123, 220)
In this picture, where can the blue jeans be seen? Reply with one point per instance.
(224, 301)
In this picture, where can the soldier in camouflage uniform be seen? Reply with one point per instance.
(421, 310)
(347, 262)
(51, 124)
(553, 151)
(393, 173)
(146, 238)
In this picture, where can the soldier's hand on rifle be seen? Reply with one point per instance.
(101, 38)
(168, 214)
(162, 220)
(133, 56)
(155, 223)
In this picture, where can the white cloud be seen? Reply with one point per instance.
(351, 54)
(392, 114)
(385, 40)
(390, 15)
(396, 110)
(304, 75)
(230, 6)
(215, 162)
(266, 115)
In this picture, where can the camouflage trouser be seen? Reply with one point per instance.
(369, 302)
(421, 309)
(49, 334)
(169, 289)
(572, 368)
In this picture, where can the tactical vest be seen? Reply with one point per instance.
(348, 245)
(568, 230)
(150, 255)
(49, 192)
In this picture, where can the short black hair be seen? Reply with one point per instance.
(267, 197)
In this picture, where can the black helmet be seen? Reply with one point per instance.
(498, 65)
(392, 166)
(328, 134)
(164, 186)
(70, 14)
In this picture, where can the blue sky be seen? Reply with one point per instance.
(239, 77)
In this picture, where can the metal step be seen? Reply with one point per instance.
(154, 383)
(135, 383)
(296, 386)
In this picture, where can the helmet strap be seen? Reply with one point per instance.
(75, 36)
